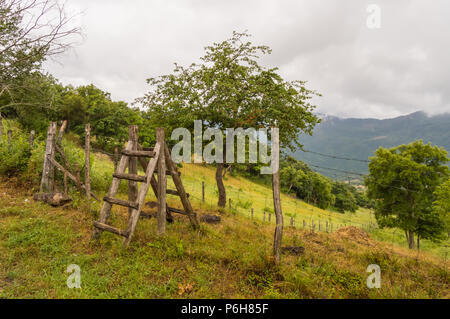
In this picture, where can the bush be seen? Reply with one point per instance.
(14, 155)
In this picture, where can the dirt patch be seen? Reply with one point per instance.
(354, 234)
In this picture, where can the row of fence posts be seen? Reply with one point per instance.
(267, 216)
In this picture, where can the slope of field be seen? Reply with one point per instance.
(228, 260)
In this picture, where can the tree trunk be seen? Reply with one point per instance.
(418, 242)
(411, 239)
(219, 180)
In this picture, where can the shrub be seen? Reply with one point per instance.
(14, 155)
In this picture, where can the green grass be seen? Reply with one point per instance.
(228, 260)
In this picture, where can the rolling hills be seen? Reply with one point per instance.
(360, 138)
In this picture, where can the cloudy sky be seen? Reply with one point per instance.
(361, 70)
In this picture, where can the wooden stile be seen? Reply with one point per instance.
(160, 162)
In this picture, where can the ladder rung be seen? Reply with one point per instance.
(121, 202)
(167, 172)
(176, 210)
(138, 153)
(131, 177)
(111, 229)
(174, 192)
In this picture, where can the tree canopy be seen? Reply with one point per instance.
(230, 89)
(403, 181)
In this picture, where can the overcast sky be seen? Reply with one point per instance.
(399, 68)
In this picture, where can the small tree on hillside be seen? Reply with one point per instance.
(229, 89)
(403, 181)
(442, 204)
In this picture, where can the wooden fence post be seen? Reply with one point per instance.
(61, 132)
(9, 136)
(49, 152)
(87, 162)
(229, 203)
(252, 212)
(304, 224)
(65, 184)
(160, 138)
(203, 191)
(32, 133)
(276, 196)
(116, 157)
(133, 166)
(292, 221)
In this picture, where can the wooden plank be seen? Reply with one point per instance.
(132, 166)
(162, 184)
(138, 153)
(70, 175)
(153, 183)
(174, 192)
(111, 229)
(180, 189)
(132, 221)
(45, 186)
(106, 208)
(121, 202)
(168, 173)
(61, 132)
(176, 210)
(130, 177)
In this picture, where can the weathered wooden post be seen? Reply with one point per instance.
(276, 196)
(78, 178)
(9, 136)
(61, 132)
(32, 133)
(229, 203)
(326, 226)
(116, 157)
(49, 151)
(160, 138)
(270, 217)
(252, 212)
(87, 163)
(133, 166)
(65, 184)
(264, 218)
(292, 221)
(304, 224)
(203, 191)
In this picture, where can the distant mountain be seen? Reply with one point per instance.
(360, 138)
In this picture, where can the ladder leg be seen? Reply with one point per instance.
(180, 189)
(106, 208)
(134, 218)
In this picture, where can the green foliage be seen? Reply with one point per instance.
(14, 154)
(441, 205)
(403, 181)
(344, 199)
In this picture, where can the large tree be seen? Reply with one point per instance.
(403, 181)
(230, 89)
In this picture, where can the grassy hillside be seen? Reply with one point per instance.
(229, 260)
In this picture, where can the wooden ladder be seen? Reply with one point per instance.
(159, 158)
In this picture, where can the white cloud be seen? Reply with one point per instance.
(397, 69)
